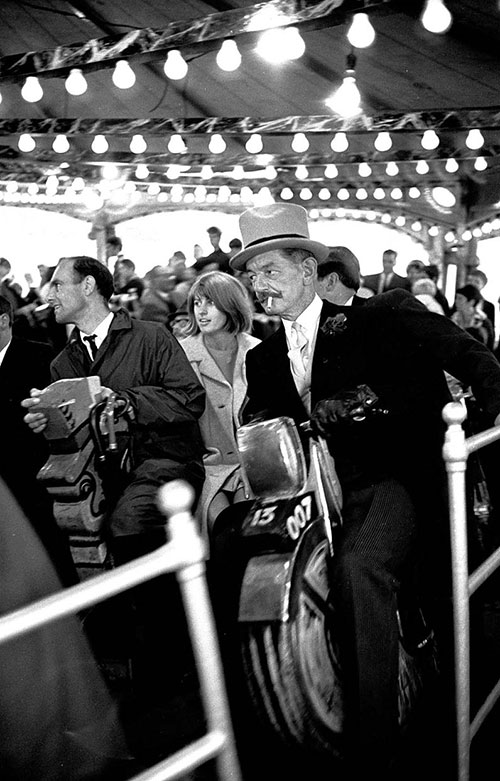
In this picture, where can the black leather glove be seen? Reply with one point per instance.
(346, 407)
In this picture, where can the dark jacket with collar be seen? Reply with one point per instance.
(372, 281)
(398, 348)
(144, 362)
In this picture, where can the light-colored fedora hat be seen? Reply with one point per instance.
(276, 226)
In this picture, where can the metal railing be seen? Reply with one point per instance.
(184, 555)
(456, 450)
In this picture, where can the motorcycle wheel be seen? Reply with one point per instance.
(291, 666)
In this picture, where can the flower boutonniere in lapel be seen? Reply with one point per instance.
(334, 325)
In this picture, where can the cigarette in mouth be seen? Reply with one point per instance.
(269, 302)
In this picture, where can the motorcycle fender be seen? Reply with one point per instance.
(265, 587)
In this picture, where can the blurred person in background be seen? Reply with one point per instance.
(479, 279)
(467, 314)
(424, 290)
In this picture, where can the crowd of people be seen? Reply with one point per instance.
(281, 325)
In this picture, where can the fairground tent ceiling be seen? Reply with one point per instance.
(410, 80)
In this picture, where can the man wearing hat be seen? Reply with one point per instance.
(389, 464)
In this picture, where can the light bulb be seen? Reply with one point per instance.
(361, 33)
(32, 91)
(324, 194)
(142, 171)
(422, 167)
(99, 145)
(286, 194)
(224, 193)
(110, 172)
(436, 18)
(444, 197)
(238, 172)
(270, 172)
(305, 194)
(12, 187)
(475, 139)
(396, 193)
(138, 145)
(416, 226)
(386, 218)
(33, 188)
(52, 182)
(130, 187)
(60, 144)
(228, 57)
(76, 84)
(451, 165)
(339, 142)
(176, 144)
(246, 194)
(361, 194)
(346, 100)
(254, 144)
(123, 75)
(26, 142)
(78, 183)
(206, 172)
(383, 141)
(271, 46)
(331, 171)
(480, 164)
(414, 192)
(343, 194)
(217, 145)
(175, 66)
(173, 171)
(430, 140)
(301, 172)
(392, 169)
(364, 169)
(378, 193)
(177, 192)
(300, 143)
(294, 43)
(433, 230)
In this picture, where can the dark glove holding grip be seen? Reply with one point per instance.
(346, 407)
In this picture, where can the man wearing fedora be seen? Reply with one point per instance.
(389, 464)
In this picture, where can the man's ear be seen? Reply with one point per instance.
(332, 280)
(88, 285)
(310, 266)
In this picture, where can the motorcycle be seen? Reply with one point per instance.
(287, 632)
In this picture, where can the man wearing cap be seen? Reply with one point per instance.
(389, 464)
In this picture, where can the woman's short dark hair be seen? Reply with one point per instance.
(85, 266)
(229, 296)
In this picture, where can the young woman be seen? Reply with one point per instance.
(220, 316)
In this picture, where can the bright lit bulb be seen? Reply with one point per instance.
(294, 43)
(52, 182)
(176, 193)
(110, 172)
(414, 192)
(331, 171)
(392, 169)
(175, 66)
(280, 44)
(467, 235)
(451, 165)
(475, 139)
(480, 164)
(386, 218)
(383, 141)
(378, 193)
(206, 172)
(422, 167)
(12, 187)
(396, 194)
(270, 172)
(444, 197)
(123, 75)
(142, 171)
(78, 183)
(343, 194)
(246, 194)
(99, 145)
(224, 193)
(416, 226)
(301, 172)
(228, 57)
(176, 144)
(433, 230)
(60, 144)
(436, 18)
(286, 194)
(254, 144)
(32, 91)
(217, 145)
(76, 84)
(26, 142)
(173, 171)
(33, 188)
(300, 143)
(339, 142)
(364, 169)
(305, 194)
(138, 145)
(361, 33)
(346, 100)
(238, 172)
(430, 140)
(324, 194)
(361, 194)
(400, 221)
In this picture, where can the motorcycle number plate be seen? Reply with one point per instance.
(286, 518)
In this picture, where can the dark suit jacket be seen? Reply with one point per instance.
(398, 348)
(372, 281)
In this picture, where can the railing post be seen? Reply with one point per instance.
(455, 457)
